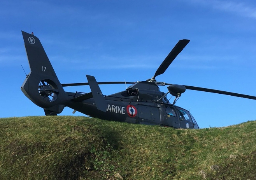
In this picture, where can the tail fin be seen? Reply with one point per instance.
(97, 94)
(42, 85)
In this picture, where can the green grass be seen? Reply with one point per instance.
(66, 147)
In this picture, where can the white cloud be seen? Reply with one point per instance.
(11, 59)
(10, 35)
(239, 8)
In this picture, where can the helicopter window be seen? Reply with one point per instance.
(184, 115)
(170, 111)
(193, 120)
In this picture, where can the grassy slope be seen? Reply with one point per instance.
(81, 148)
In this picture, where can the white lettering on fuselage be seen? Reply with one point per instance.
(116, 109)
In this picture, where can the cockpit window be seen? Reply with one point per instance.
(170, 111)
(193, 120)
(184, 115)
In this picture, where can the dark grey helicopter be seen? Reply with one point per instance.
(141, 103)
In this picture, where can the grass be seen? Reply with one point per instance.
(66, 147)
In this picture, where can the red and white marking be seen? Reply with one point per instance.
(131, 110)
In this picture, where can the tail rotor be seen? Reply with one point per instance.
(48, 90)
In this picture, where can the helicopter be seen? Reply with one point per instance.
(141, 103)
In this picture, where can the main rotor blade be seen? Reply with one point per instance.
(221, 92)
(171, 56)
(218, 92)
(84, 84)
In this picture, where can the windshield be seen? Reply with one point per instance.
(184, 115)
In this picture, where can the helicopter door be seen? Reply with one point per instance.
(148, 115)
(171, 118)
(185, 120)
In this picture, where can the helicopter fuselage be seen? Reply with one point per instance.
(141, 103)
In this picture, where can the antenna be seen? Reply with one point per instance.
(24, 70)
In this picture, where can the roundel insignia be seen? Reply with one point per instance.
(131, 110)
(31, 40)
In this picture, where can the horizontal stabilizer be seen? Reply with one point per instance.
(99, 99)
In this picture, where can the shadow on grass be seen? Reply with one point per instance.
(96, 160)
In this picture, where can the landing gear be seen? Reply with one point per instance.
(50, 113)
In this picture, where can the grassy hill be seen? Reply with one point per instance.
(66, 147)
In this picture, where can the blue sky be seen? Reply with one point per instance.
(127, 40)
